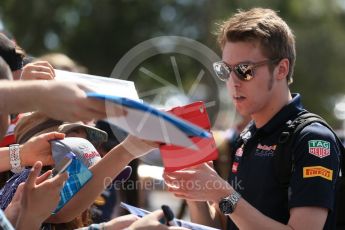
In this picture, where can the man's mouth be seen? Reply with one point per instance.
(239, 97)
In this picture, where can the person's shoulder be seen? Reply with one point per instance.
(316, 137)
(317, 130)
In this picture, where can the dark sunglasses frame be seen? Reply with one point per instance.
(244, 71)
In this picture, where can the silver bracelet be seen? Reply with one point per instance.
(15, 159)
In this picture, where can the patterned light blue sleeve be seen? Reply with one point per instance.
(4, 223)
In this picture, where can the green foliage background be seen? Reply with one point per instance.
(97, 33)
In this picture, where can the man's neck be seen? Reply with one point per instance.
(272, 109)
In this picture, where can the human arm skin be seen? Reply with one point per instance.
(151, 222)
(36, 149)
(104, 172)
(58, 100)
(132, 222)
(39, 197)
(206, 214)
(245, 215)
(121, 222)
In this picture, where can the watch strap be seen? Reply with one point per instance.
(228, 204)
(15, 159)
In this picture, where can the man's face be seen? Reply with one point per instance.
(251, 97)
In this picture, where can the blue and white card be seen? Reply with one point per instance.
(149, 123)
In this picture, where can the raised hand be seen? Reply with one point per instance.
(151, 222)
(38, 149)
(40, 197)
(39, 70)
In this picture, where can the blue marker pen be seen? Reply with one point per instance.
(169, 216)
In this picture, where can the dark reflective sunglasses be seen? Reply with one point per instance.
(244, 71)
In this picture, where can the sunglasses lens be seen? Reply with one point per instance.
(221, 71)
(244, 72)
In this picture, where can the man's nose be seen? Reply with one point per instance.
(233, 79)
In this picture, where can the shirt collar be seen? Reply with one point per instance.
(288, 112)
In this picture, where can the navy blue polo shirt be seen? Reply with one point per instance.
(315, 173)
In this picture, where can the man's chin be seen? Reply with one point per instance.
(243, 112)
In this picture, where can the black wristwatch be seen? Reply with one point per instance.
(228, 204)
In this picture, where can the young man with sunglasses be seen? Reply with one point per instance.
(258, 57)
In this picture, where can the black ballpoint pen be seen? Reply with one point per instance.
(169, 216)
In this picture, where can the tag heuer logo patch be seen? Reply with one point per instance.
(319, 148)
(315, 171)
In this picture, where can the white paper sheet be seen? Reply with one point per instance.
(141, 213)
(99, 84)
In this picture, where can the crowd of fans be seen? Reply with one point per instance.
(286, 169)
(36, 109)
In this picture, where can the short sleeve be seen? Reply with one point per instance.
(316, 168)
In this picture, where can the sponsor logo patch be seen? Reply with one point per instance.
(319, 148)
(91, 155)
(315, 171)
(234, 167)
(265, 150)
(239, 152)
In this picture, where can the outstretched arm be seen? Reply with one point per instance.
(36, 149)
(245, 215)
(104, 173)
(58, 100)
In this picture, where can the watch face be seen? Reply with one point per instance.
(226, 206)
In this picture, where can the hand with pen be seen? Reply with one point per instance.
(152, 221)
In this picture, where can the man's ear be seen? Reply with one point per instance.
(282, 69)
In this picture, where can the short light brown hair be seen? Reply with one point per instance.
(264, 26)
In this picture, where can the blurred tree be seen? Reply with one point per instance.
(98, 33)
